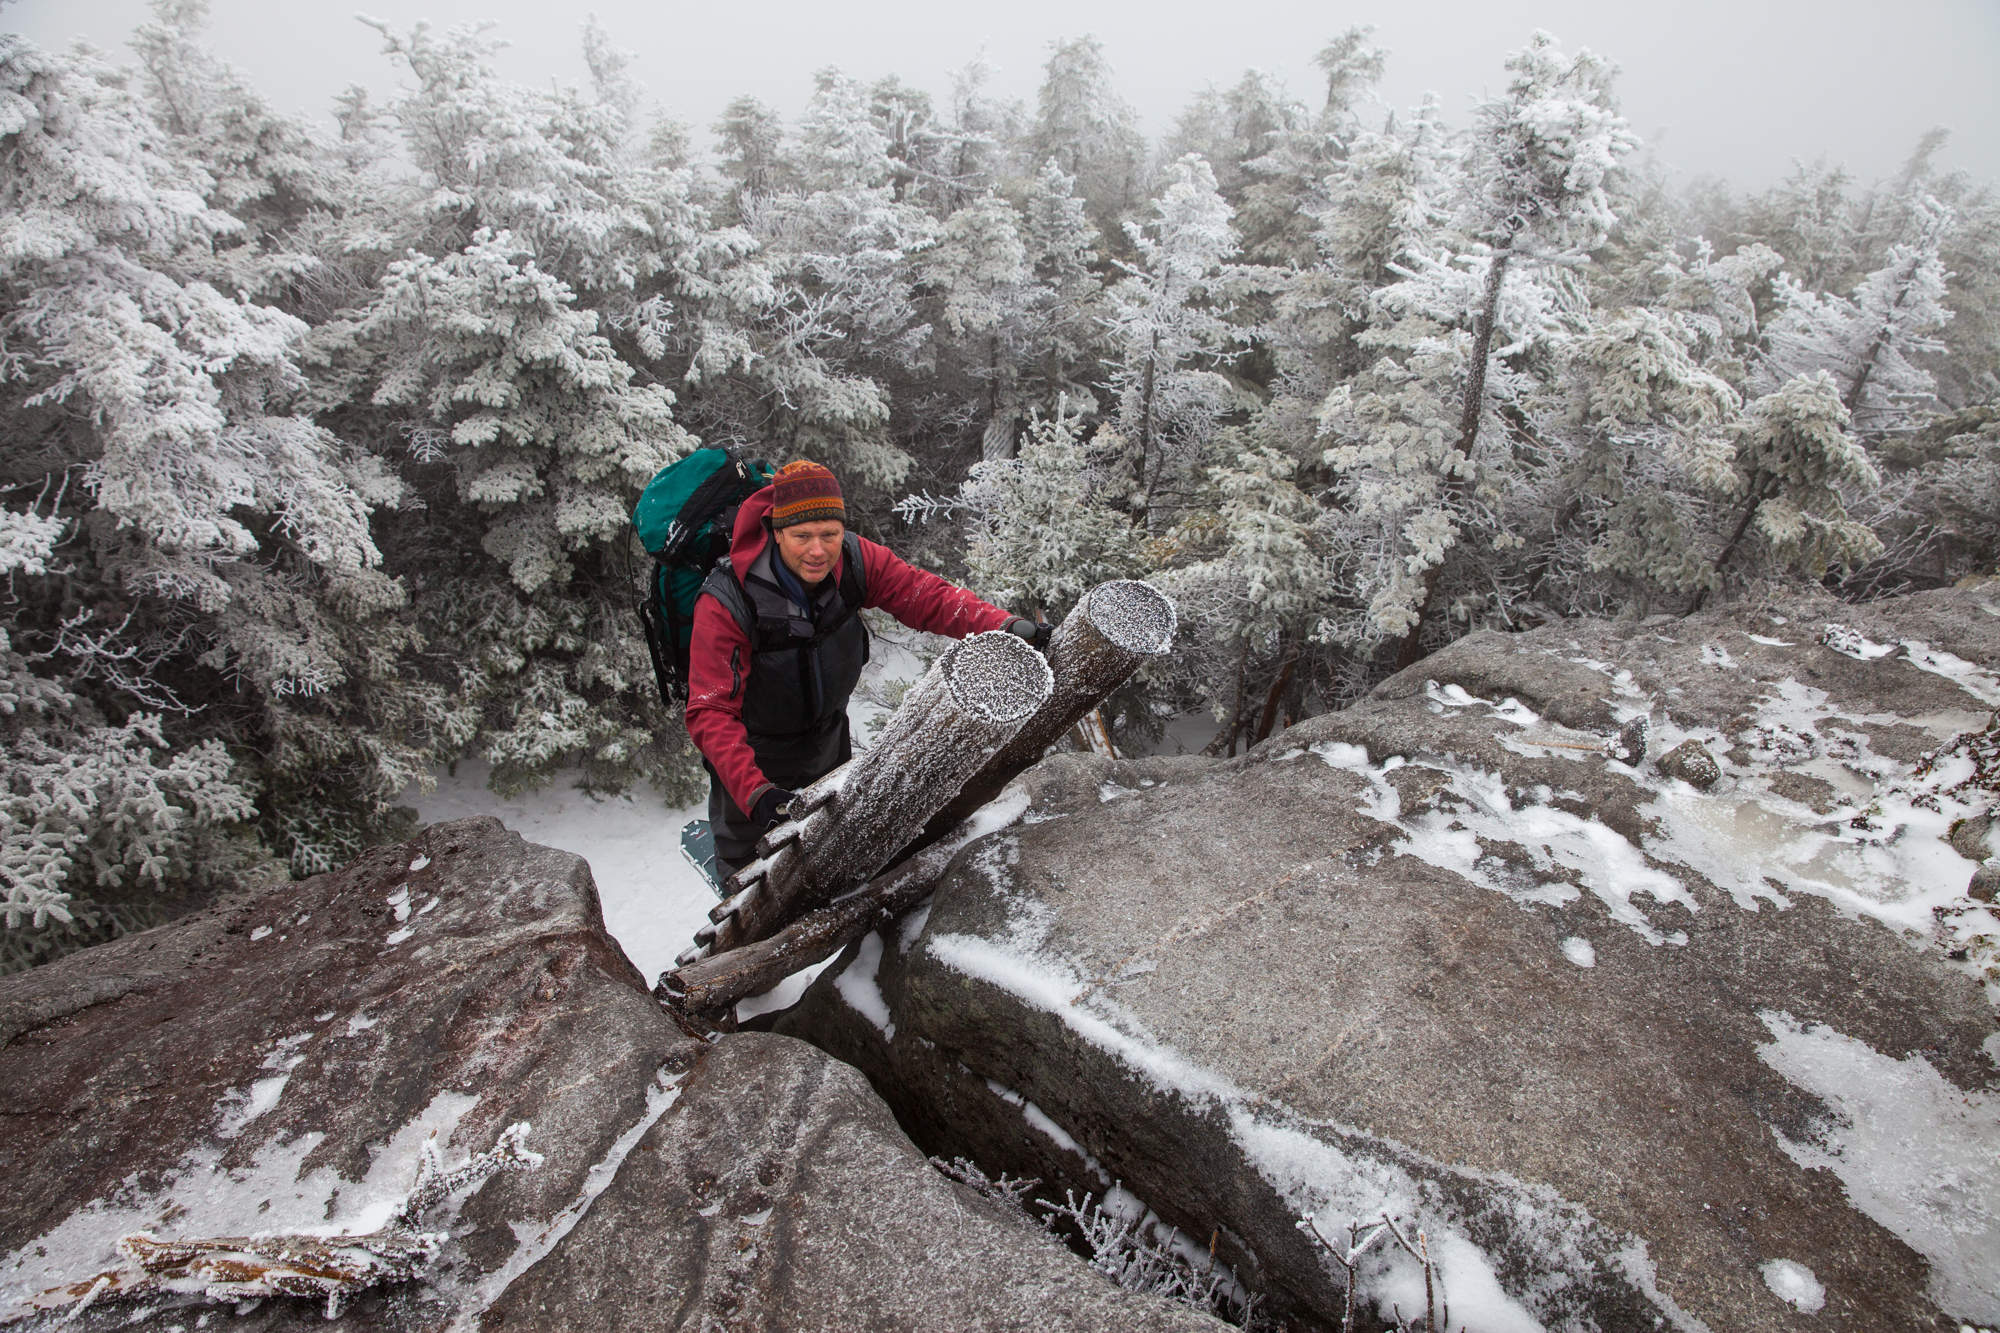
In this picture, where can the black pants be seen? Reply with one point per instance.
(792, 762)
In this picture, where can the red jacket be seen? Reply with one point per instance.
(916, 597)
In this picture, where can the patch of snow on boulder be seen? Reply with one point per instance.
(1918, 1155)
(1794, 1284)
(1580, 951)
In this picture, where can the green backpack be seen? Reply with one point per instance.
(684, 519)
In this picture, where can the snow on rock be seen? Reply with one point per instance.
(1918, 1154)
(1795, 1285)
(1631, 1052)
(777, 1192)
(192, 1084)
(196, 1118)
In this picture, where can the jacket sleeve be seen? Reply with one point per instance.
(718, 672)
(922, 600)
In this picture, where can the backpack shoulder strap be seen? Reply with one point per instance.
(853, 572)
(721, 584)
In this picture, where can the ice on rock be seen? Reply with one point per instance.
(1917, 1154)
(1580, 951)
(1854, 643)
(275, 1192)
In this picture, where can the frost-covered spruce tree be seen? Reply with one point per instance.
(1795, 459)
(533, 248)
(1171, 332)
(98, 821)
(1016, 307)
(1040, 538)
(1289, 180)
(984, 295)
(1067, 317)
(1090, 132)
(1867, 342)
(1337, 203)
(804, 369)
(1641, 457)
(220, 535)
(267, 170)
(1424, 450)
(1252, 586)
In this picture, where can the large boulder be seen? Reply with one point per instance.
(429, 1090)
(779, 1194)
(279, 1063)
(1633, 1052)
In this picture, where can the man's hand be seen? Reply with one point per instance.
(1036, 633)
(769, 809)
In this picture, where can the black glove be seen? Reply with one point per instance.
(768, 810)
(1037, 634)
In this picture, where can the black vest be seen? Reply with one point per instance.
(801, 672)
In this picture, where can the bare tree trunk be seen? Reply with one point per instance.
(1759, 492)
(846, 827)
(1148, 472)
(1471, 408)
(1277, 693)
(1093, 734)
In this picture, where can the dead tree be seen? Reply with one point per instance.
(1114, 628)
(704, 989)
(848, 825)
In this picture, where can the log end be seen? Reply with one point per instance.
(996, 676)
(1131, 614)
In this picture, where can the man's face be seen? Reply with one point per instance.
(809, 550)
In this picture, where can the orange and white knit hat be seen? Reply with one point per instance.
(806, 493)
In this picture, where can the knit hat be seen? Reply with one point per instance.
(806, 493)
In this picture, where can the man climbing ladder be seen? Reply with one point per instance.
(778, 647)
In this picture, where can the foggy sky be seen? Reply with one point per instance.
(1730, 88)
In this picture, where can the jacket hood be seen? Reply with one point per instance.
(748, 539)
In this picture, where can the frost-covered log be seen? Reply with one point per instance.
(848, 825)
(290, 1263)
(1114, 628)
(236, 1268)
(710, 986)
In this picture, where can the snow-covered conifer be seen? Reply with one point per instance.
(1427, 453)
(1171, 331)
(1040, 539)
(1252, 584)
(1089, 130)
(1794, 460)
(1867, 341)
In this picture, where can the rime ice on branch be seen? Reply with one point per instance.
(846, 827)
